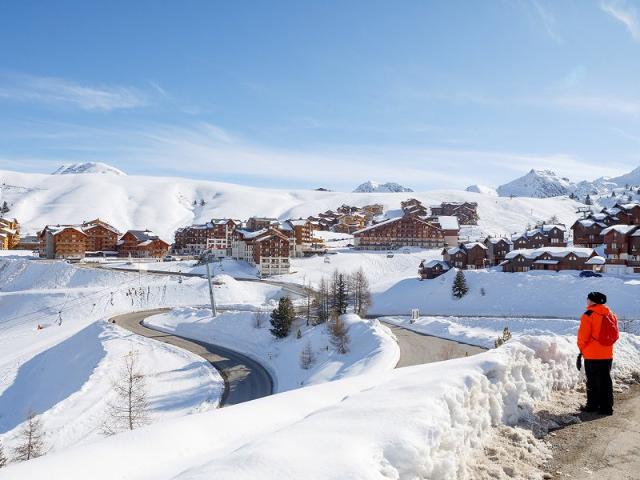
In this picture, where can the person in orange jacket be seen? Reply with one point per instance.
(597, 357)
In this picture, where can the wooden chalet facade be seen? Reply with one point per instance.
(142, 244)
(267, 249)
(552, 258)
(405, 231)
(497, 249)
(9, 233)
(432, 269)
(552, 235)
(587, 232)
(92, 238)
(466, 212)
(213, 236)
(467, 256)
(622, 248)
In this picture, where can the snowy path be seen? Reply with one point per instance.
(245, 379)
(606, 448)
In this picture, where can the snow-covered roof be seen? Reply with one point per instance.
(587, 222)
(623, 229)
(448, 222)
(433, 263)
(549, 227)
(556, 252)
(496, 240)
(454, 250)
(298, 223)
(469, 246)
(56, 231)
(247, 235)
(143, 235)
(597, 260)
(371, 227)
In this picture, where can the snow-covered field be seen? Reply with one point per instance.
(65, 371)
(372, 347)
(418, 422)
(163, 204)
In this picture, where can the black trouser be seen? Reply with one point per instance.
(599, 385)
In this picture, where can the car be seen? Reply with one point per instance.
(589, 274)
(169, 258)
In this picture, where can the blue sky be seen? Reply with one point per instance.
(431, 94)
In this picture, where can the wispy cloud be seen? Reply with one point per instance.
(601, 104)
(548, 20)
(625, 13)
(58, 91)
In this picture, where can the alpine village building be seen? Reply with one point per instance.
(9, 233)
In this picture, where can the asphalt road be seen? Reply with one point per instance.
(417, 348)
(245, 379)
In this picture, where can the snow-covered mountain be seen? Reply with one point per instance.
(164, 204)
(375, 187)
(87, 167)
(537, 184)
(484, 189)
(631, 178)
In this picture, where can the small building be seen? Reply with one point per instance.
(622, 248)
(548, 258)
(497, 249)
(267, 249)
(142, 244)
(433, 269)
(551, 235)
(587, 232)
(9, 233)
(466, 212)
(467, 256)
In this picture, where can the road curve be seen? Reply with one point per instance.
(244, 378)
(418, 348)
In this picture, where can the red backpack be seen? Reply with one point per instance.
(609, 333)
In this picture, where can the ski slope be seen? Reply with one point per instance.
(163, 204)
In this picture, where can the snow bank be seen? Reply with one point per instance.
(418, 422)
(372, 348)
(533, 294)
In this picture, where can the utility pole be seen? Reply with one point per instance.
(211, 296)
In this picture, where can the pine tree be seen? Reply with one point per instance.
(3, 458)
(341, 295)
(31, 439)
(459, 287)
(282, 318)
(339, 335)
(588, 201)
(130, 409)
(307, 357)
(5, 208)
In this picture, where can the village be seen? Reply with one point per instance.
(607, 241)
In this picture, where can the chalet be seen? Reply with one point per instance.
(551, 258)
(28, 242)
(9, 233)
(300, 234)
(142, 244)
(258, 223)
(497, 249)
(96, 237)
(587, 232)
(371, 211)
(350, 223)
(628, 213)
(214, 236)
(414, 207)
(432, 269)
(467, 256)
(466, 212)
(267, 249)
(622, 248)
(551, 235)
(404, 231)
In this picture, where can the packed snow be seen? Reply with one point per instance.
(372, 347)
(484, 189)
(417, 422)
(87, 167)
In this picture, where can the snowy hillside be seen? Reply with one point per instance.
(537, 184)
(87, 167)
(631, 178)
(163, 204)
(482, 189)
(373, 187)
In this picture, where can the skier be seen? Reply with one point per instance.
(597, 333)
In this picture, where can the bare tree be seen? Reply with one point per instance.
(307, 357)
(31, 439)
(130, 408)
(259, 318)
(3, 458)
(360, 293)
(339, 335)
(322, 301)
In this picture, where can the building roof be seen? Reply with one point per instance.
(496, 240)
(469, 246)
(448, 222)
(556, 252)
(143, 235)
(597, 260)
(587, 222)
(433, 263)
(623, 229)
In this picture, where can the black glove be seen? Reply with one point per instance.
(579, 361)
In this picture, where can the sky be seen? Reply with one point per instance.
(304, 94)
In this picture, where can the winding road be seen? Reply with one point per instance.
(244, 378)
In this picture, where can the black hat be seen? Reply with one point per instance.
(597, 297)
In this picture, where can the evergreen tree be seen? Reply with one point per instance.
(307, 357)
(3, 458)
(459, 287)
(342, 295)
(5, 208)
(588, 201)
(282, 318)
(31, 442)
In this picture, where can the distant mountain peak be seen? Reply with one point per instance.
(87, 167)
(375, 187)
(537, 184)
(485, 190)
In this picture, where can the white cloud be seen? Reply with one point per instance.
(58, 91)
(624, 13)
(602, 104)
(548, 20)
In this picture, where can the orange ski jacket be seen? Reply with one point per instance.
(589, 331)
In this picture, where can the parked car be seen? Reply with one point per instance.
(589, 274)
(170, 258)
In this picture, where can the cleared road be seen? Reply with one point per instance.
(245, 379)
(417, 348)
